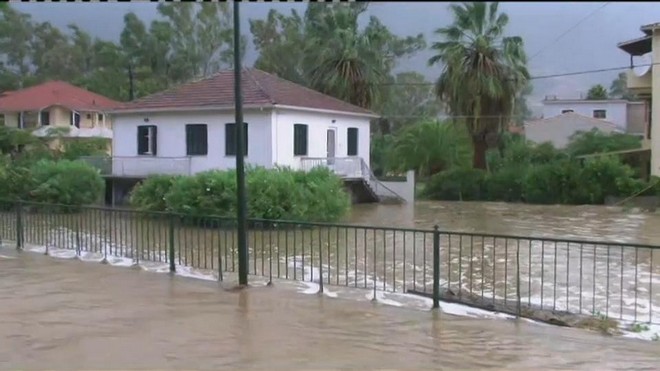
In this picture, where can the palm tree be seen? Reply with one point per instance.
(342, 61)
(430, 147)
(484, 71)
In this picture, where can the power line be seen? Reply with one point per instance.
(569, 30)
(610, 69)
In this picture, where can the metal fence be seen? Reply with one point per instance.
(504, 273)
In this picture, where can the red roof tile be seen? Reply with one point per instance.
(54, 93)
(259, 89)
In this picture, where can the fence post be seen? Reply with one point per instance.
(19, 225)
(436, 267)
(171, 246)
(518, 279)
(320, 266)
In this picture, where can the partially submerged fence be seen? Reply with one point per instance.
(504, 273)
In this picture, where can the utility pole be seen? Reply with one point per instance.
(240, 151)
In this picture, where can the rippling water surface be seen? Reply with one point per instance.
(65, 314)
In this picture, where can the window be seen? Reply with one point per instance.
(147, 140)
(300, 140)
(45, 118)
(600, 114)
(99, 118)
(230, 139)
(197, 140)
(89, 116)
(74, 119)
(352, 142)
(566, 111)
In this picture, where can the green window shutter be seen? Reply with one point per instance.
(300, 140)
(352, 142)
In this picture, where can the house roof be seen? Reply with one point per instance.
(573, 118)
(588, 101)
(54, 93)
(638, 46)
(649, 28)
(260, 89)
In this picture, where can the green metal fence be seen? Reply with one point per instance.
(507, 273)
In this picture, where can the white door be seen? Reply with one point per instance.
(331, 145)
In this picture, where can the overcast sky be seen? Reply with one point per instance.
(589, 46)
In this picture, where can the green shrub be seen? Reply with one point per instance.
(505, 184)
(605, 176)
(75, 148)
(274, 194)
(460, 184)
(15, 183)
(65, 182)
(149, 195)
(552, 183)
(211, 193)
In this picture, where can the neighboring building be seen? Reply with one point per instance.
(190, 129)
(642, 83)
(627, 116)
(559, 129)
(57, 104)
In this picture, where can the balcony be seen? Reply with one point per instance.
(640, 85)
(140, 166)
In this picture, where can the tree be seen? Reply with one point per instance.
(409, 99)
(619, 88)
(430, 147)
(595, 141)
(483, 72)
(597, 92)
(326, 50)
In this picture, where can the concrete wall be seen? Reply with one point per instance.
(655, 104)
(172, 138)
(405, 189)
(616, 110)
(637, 119)
(317, 126)
(559, 132)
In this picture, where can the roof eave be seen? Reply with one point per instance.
(184, 109)
(333, 112)
(637, 47)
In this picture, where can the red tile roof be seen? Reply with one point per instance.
(54, 93)
(259, 89)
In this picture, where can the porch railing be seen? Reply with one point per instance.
(141, 166)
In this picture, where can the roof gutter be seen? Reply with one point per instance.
(333, 112)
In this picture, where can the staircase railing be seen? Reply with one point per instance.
(381, 190)
(352, 168)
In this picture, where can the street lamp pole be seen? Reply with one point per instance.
(240, 152)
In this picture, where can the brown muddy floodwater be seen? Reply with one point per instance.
(66, 314)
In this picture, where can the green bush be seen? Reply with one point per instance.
(15, 182)
(65, 182)
(274, 194)
(505, 184)
(552, 183)
(150, 194)
(460, 184)
(75, 148)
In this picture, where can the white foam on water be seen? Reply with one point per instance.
(6, 257)
(628, 308)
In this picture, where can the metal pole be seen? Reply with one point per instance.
(240, 151)
(436, 267)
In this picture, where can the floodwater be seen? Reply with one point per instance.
(67, 314)
(619, 282)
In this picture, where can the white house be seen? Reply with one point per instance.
(627, 116)
(559, 129)
(191, 128)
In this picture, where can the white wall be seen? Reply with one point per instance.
(172, 137)
(616, 111)
(558, 132)
(318, 124)
(405, 189)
